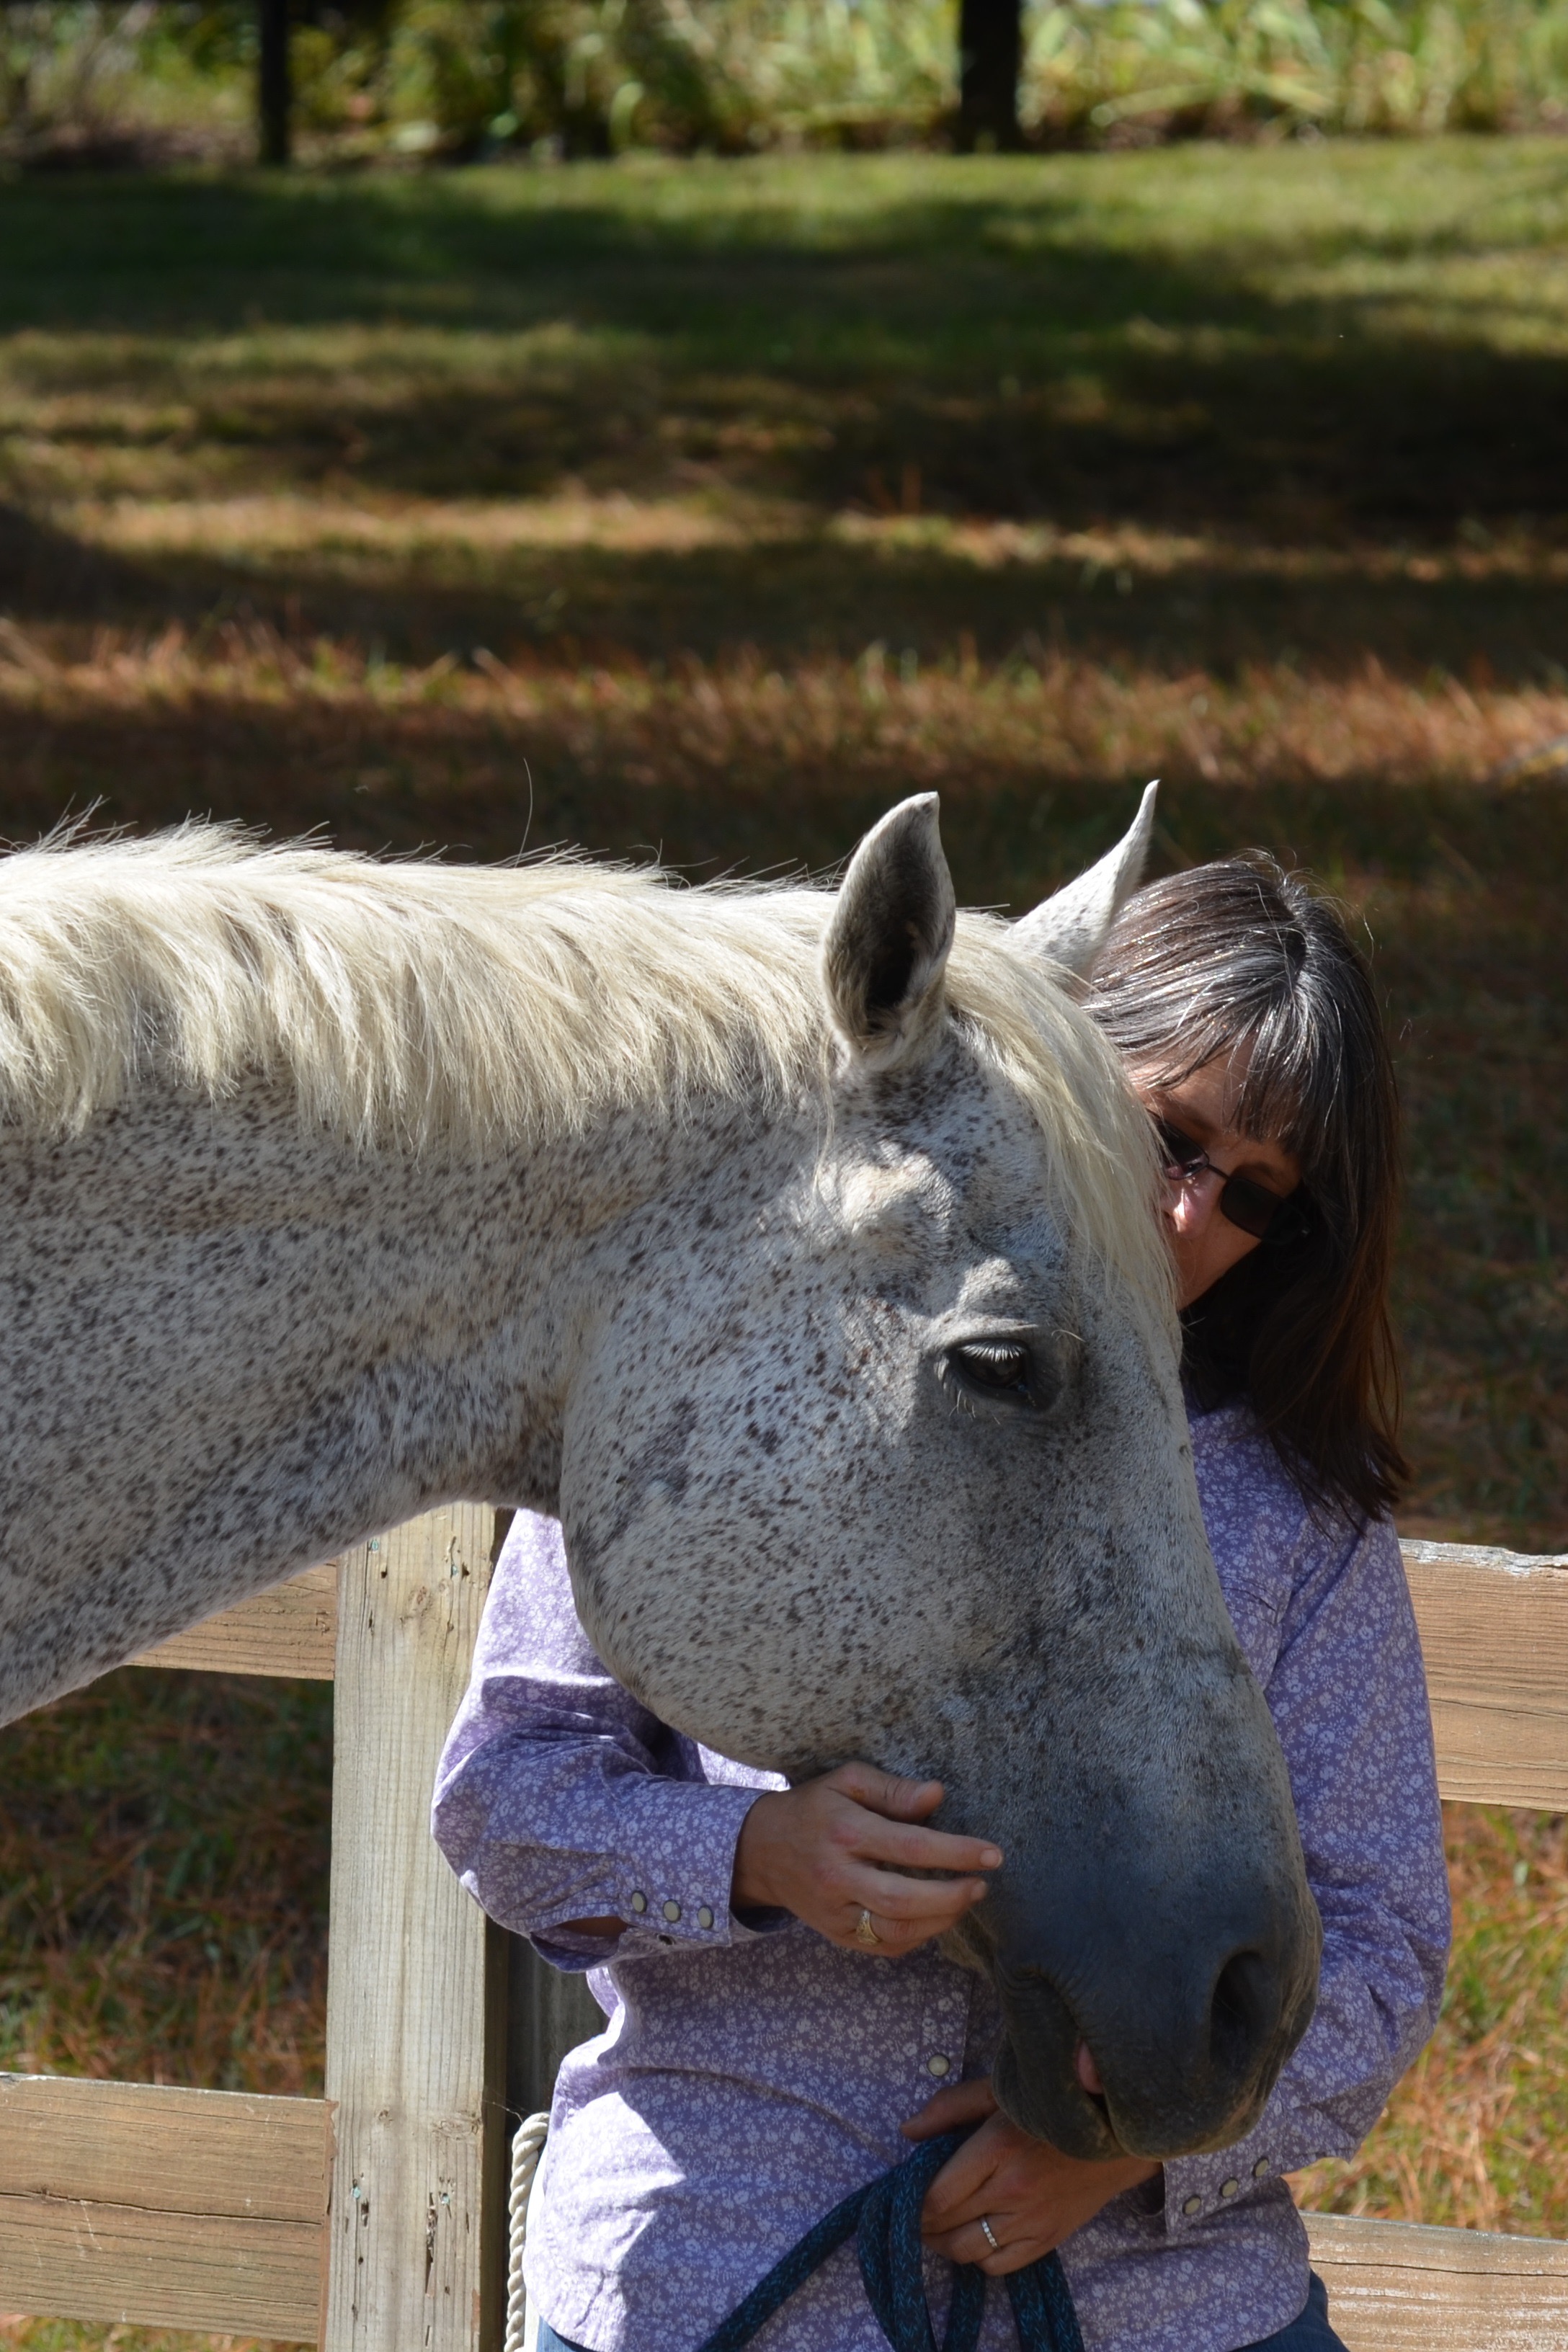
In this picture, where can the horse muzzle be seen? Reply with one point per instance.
(1186, 2009)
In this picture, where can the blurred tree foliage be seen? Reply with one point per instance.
(465, 78)
(590, 77)
(582, 76)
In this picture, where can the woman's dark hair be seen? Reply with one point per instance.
(1241, 953)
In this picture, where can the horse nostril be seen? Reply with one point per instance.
(1242, 2014)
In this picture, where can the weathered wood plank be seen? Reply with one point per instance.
(162, 2207)
(1395, 2286)
(157, 2145)
(1494, 1633)
(121, 2263)
(410, 2065)
(292, 1630)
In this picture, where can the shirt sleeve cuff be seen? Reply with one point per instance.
(1199, 2186)
(675, 1890)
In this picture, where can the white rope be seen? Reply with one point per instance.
(526, 2151)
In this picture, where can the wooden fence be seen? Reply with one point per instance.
(369, 2220)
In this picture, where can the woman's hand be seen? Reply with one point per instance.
(837, 1847)
(1031, 2195)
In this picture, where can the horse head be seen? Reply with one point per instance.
(876, 1447)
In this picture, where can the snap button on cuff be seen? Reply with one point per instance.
(939, 2064)
(672, 1911)
(640, 1901)
(1260, 2169)
(705, 1917)
(1193, 2205)
(1228, 2187)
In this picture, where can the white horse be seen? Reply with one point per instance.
(797, 1248)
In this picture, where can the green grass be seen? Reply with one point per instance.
(22, 2335)
(714, 507)
(1474, 2134)
(163, 1882)
(1345, 349)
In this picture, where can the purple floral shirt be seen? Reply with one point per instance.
(748, 2078)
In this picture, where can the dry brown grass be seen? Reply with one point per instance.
(344, 526)
(1474, 2136)
(20, 2334)
(1048, 716)
(164, 1883)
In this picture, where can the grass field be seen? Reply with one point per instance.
(711, 508)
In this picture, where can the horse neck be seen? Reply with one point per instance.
(277, 1345)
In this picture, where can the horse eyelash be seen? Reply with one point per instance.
(962, 1399)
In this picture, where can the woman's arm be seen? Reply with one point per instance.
(1348, 1695)
(577, 1818)
(570, 1813)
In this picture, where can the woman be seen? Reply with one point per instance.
(758, 2064)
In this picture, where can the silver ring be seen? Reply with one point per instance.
(990, 2235)
(865, 1933)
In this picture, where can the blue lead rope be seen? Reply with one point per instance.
(884, 2218)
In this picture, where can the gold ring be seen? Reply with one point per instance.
(990, 2235)
(865, 1933)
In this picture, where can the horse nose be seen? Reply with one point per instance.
(1220, 2034)
(1219, 2046)
(1174, 2049)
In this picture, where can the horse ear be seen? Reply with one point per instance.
(1069, 927)
(888, 937)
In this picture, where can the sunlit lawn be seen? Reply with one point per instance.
(710, 508)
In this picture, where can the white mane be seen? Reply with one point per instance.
(407, 1003)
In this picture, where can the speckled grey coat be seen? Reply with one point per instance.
(794, 1249)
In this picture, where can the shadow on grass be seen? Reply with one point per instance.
(50, 574)
(792, 597)
(994, 345)
(483, 783)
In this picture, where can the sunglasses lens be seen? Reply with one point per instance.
(1181, 1155)
(1248, 1206)
(1264, 1215)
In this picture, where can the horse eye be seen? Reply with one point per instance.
(1000, 1367)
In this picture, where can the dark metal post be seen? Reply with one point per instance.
(548, 2014)
(273, 94)
(990, 46)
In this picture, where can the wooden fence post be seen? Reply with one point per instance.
(414, 2047)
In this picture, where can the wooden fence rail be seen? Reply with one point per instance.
(369, 2220)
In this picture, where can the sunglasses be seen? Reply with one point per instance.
(1267, 1216)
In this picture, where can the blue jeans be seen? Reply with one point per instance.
(1310, 2332)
